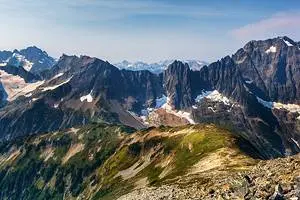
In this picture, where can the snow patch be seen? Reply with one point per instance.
(56, 86)
(242, 60)
(294, 108)
(33, 100)
(88, 98)
(28, 95)
(249, 82)
(56, 105)
(27, 65)
(287, 43)
(211, 108)
(58, 75)
(164, 103)
(213, 96)
(182, 114)
(16, 86)
(272, 49)
(266, 104)
(296, 142)
(160, 101)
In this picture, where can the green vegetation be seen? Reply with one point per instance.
(195, 146)
(30, 176)
(90, 160)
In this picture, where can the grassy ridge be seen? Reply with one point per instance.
(101, 161)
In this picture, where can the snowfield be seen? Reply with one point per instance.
(56, 86)
(164, 103)
(213, 96)
(272, 49)
(16, 86)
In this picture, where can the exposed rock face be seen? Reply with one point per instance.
(144, 86)
(273, 74)
(275, 179)
(20, 71)
(223, 76)
(4, 55)
(177, 83)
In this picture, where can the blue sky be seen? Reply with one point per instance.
(146, 30)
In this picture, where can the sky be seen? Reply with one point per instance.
(145, 30)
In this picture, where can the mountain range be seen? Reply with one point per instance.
(253, 96)
(158, 67)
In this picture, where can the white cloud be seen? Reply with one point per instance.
(285, 23)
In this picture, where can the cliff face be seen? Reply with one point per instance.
(177, 83)
(273, 66)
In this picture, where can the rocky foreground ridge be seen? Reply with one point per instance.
(273, 179)
(101, 161)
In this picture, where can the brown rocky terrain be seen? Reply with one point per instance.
(271, 179)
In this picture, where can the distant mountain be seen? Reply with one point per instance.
(20, 72)
(32, 59)
(158, 67)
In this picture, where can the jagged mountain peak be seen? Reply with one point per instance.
(276, 43)
(84, 58)
(33, 50)
(178, 65)
(31, 58)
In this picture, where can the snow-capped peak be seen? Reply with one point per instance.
(31, 59)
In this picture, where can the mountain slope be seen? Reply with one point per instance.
(15, 82)
(78, 91)
(101, 161)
